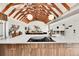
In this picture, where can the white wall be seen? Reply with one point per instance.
(42, 25)
(69, 35)
(2, 29)
(22, 25)
(12, 21)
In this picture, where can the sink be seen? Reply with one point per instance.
(40, 39)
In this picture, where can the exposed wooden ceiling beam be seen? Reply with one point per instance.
(21, 17)
(17, 3)
(53, 4)
(46, 9)
(19, 12)
(24, 19)
(52, 10)
(66, 6)
(27, 11)
(22, 13)
(12, 12)
(7, 7)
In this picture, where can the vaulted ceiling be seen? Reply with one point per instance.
(40, 11)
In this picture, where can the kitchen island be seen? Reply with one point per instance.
(19, 46)
(40, 49)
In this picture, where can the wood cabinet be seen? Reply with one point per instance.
(3, 17)
(40, 49)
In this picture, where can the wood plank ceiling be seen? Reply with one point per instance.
(40, 11)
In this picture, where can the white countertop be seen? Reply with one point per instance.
(20, 39)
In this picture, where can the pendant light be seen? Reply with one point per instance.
(29, 17)
(51, 17)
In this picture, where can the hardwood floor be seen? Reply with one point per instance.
(38, 49)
